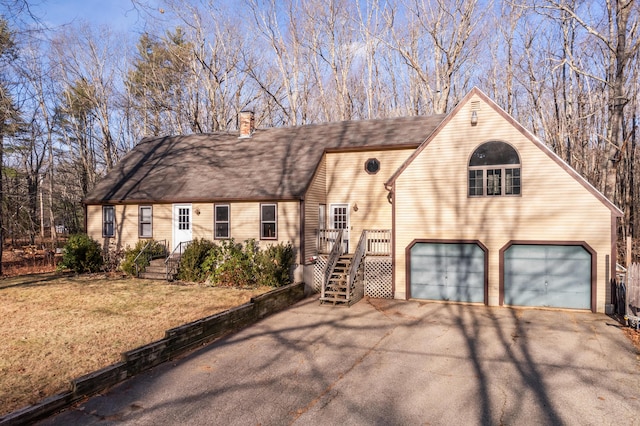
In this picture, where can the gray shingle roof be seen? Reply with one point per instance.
(274, 164)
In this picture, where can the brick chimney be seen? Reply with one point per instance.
(246, 120)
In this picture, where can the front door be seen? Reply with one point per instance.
(181, 224)
(340, 220)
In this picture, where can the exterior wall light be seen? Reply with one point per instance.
(474, 118)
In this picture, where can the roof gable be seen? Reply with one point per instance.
(475, 92)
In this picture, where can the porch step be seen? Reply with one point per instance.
(156, 270)
(153, 276)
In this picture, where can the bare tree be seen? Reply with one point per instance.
(618, 38)
(277, 24)
(436, 46)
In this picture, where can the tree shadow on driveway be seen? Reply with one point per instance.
(389, 362)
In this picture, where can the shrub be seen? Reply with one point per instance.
(276, 262)
(230, 264)
(81, 254)
(156, 249)
(192, 259)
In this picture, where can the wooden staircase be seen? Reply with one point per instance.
(337, 287)
(156, 270)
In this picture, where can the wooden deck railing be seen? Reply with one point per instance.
(326, 239)
(378, 241)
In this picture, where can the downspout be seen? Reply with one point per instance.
(86, 221)
(303, 259)
(391, 199)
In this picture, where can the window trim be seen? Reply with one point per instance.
(216, 221)
(140, 222)
(263, 222)
(111, 208)
(494, 169)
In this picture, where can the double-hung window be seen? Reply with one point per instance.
(221, 219)
(145, 216)
(108, 221)
(268, 221)
(494, 170)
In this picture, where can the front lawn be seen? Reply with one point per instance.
(56, 328)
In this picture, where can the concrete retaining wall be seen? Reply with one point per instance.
(177, 341)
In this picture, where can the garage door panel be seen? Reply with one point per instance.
(442, 271)
(546, 275)
(446, 291)
(572, 300)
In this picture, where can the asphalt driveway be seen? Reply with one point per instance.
(390, 362)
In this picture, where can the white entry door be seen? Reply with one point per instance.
(340, 220)
(182, 226)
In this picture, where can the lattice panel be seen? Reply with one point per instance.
(358, 290)
(318, 273)
(377, 277)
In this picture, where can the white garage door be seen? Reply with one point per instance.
(547, 275)
(445, 271)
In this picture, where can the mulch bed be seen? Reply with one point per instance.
(28, 260)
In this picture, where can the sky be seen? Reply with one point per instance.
(120, 15)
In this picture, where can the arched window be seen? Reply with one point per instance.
(494, 169)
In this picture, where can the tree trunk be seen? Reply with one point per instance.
(617, 99)
(1, 191)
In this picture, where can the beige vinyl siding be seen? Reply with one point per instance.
(348, 182)
(202, 214)
(163, 223)
(94, 222)
(126, 226)
(432, 202)
(316, 195)
(245, 223)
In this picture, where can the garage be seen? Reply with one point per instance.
(556, 276)
(447, 271)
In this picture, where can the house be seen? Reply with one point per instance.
(467, 206)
